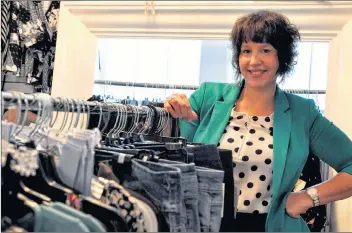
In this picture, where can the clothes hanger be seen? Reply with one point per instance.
(65, 117)
(123, 121)
(53, 120)
(126, 134)
(110, 133)
(46, 180)
(107, 120)
(17, 175)
(19, 125)
(97, 105)
(69, 129)
(87, 116)
(109, 139)
(78, 113)
(100, 114)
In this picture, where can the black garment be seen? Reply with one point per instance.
(249, 223)
(162, 224)
(26, 222)
(206, 156)
(316, 216)
(106, 172)
(228, 214)
(117, 196)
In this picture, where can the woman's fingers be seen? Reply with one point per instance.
(179, 107)
(185, 107)
(169, 108)
(188, 115)
(175, 102)
(194, 116)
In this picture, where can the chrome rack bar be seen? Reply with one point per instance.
(10, 99)
(190, 87)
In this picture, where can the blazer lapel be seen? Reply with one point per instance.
(282, 128)
(220, 115)
(282, 131)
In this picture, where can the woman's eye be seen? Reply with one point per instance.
(266, 50)
(245, 51)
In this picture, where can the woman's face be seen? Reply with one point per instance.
(258, 64)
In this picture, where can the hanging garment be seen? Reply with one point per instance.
(106, 172)
(150, 220)
(115, 195)
(189, 186)
(48, 219)
(162, 185)
(32, 42)
(93, 224)
(316, 216)
(5, 19)
(230, 200)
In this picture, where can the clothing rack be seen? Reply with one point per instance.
(190, 87)
(11, 99)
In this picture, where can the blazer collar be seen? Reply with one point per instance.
(233, 91)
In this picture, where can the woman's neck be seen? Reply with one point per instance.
(257, 101)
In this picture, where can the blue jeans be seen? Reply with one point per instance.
(161, 183)
(189, 185)
(210, 198)
(180, 156)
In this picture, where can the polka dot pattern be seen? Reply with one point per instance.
(251, 142)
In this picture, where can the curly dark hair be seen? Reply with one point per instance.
(266, 27)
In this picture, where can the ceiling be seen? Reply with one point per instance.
(317, 20)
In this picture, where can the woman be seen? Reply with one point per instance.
(269, 131)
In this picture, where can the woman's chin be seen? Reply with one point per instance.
(256, 83)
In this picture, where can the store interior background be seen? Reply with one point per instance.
(186, 42)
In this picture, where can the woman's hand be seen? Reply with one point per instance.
(179, 107)
(298, 203)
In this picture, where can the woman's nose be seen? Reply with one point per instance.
(255, 59)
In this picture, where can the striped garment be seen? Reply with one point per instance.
(5, 19)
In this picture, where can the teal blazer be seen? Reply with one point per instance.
(299, 128)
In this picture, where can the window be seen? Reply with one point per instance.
(191, 62)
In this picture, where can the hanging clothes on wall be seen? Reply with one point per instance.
(5, 19)
(31, 44)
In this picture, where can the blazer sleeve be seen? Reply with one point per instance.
(188, 129)
(329, 143)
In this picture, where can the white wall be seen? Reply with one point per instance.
(75, 58)
(339, 110)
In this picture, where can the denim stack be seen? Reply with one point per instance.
(190, 197)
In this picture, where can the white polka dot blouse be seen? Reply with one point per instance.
(250, 138)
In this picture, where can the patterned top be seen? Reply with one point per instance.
(251, 140)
